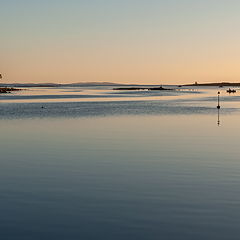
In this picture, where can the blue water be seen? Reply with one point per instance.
(132, 169)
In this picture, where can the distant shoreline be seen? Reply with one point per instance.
(108, 84)
(42, 85)
(143, 88)
(222, 84)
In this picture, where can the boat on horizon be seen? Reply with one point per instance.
(231, 90)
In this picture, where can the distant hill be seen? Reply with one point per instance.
(29, 85)
(222, 84)
(94, 83)
(83, 84)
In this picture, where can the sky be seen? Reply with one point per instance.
(124, 41)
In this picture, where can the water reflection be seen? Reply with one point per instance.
(142, 167)
(218, 121)
(120, 178)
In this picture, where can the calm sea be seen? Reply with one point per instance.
(93, 163)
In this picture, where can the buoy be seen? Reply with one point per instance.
(218, 106)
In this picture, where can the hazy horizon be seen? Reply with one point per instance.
(112, 83)
(143, 42)
(92, 160)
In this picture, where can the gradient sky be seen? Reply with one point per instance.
(125, 41)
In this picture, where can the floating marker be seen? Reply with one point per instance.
(218, 106)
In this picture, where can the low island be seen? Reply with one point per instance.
(8, 90)
(144, 88)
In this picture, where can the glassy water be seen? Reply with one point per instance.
(135, 168)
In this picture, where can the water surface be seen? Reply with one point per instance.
(126, 168)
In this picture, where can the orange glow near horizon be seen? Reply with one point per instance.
(157, 43)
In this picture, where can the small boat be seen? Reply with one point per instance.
(231, 90)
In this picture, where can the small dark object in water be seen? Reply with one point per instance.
(231, 90)
(8, 90)
(218, 106)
